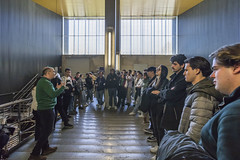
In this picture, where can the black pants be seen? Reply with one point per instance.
(66, 102)
(112, 92)
(59, 109)
(122, 93)
(37, 124)
(46, 121)
(156, 116)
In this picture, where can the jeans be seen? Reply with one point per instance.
(137, 103)
(46, 121)
(66, 102)
(99, 96)
(112, 94)
(89, 94)
(70, 106)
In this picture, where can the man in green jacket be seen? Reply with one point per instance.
(46, 99)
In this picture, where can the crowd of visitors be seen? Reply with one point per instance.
(186, 108)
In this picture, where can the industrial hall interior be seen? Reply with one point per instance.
(120, 79)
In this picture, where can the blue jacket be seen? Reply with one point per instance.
(220, 137)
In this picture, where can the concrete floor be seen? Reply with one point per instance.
(97, 134)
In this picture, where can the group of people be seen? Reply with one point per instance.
(190, 102)
(197, 112)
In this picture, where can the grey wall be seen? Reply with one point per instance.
(30, 38)
(208, 26)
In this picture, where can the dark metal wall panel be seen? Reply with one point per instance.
(30, 38)
(208, 26)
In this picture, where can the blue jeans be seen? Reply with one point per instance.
(112, 94)
(99, 96)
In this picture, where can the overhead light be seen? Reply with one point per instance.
(109, 48)
(117, 61)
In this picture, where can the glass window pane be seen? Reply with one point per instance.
(149, 36)
(84, 36)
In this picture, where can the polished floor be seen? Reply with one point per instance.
(98, 134)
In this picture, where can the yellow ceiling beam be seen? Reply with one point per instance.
(96, 8)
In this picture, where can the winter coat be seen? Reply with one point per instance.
(89, 83)
(174, 96)
(100, 83)
(200, 105)
(178, 146)
(112, 81)
(220, 136)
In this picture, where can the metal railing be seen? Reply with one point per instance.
(25, 92)
(19, 116)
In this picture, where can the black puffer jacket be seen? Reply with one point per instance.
(178, 146)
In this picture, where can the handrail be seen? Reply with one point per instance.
(6, 94)
(14, 102)
(27, 85)
(19, 113)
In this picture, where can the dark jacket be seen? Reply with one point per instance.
(174, 95)
(200, 105)
(100, 83)
(178, 146)
(112, 81)
(220, 137)
(157, 102)
(89, 83)
(146, 96)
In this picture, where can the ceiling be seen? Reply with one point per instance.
(129, 8)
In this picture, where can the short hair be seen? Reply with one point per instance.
(77, 73)
(227, 55)
(201, 63)
(145, 74)
(139, 72)
(67, 69)
(46, 69)
(112, 70)
(179, 58)
(153, 69)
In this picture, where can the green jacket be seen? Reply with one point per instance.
(46, 94)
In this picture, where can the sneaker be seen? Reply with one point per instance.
(154, 149)
(109, 107)
(39, 157)
(115, 107)
(154, 157)
(49, 150)
(141, 115)
(68, 126)
(149, 131)
(131, 114)
(152, 139)
(68, 116)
